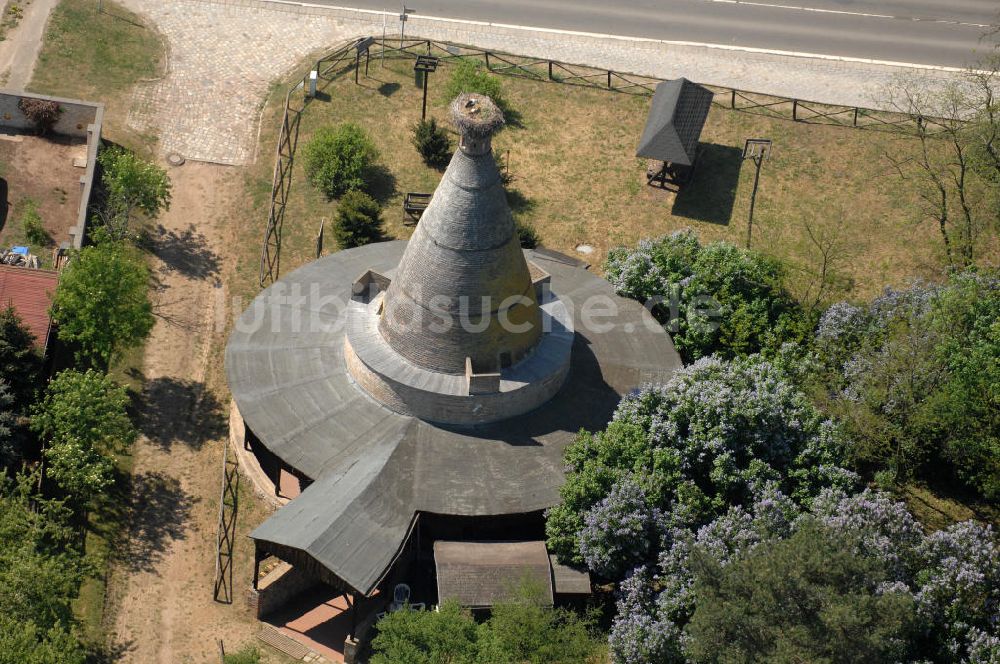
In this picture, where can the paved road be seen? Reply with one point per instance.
(930, 32)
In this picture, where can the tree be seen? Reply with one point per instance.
(358, 221)
(717, 298)
(527, 236)
(708, 439)
(338, 159)
(447, 635)
(84, 421)
(101, 304)
(40, 112)
(20, 362)
(470, 75)
(522, 630)
(41, 568)
(10, 448)
(915, 378)
(432, 143)
(809, 598)
(131, 185)
(957, 128)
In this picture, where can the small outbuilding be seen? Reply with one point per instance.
(30, 291)
(676, 117)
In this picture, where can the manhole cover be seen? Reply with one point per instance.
(584, 249)
(175, 159)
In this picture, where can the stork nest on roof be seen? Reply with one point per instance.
(476, 115)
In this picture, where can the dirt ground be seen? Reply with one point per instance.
(160, 607)
(40, 169)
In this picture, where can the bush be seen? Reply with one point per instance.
(526, 234)
(31, 224)
(472, 76)
(358, 221)
(40, 112)
(432, 143)
(337, 159)
(131, 185)
(716, 298)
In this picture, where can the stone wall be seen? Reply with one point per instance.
(278, 587)
(78, 119)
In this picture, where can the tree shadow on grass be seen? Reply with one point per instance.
(157, 516)
(381, 183)
(520, 204)
(711, 194)
(187, 252)
(176, 411)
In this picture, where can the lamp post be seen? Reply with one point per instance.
(757, 150)
(424, 65)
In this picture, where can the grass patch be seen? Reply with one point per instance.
(576, 179)
(98, 56)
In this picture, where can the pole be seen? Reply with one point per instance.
(357, 66)
(368, 57)
(423, 109)
(385, 17)
(753, 197)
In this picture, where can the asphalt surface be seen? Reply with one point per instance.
(928, 32)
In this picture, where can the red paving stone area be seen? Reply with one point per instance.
(317, 619)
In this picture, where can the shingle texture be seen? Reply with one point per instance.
(30, 293)
(676, 117)
(463, 261)
(375, 469)
(481, 574)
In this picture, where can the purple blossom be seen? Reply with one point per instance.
(621, 531)
(638, 636)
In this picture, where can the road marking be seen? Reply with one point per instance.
(643, 40)
(818, 10)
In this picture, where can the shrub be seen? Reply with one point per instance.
(432, 143)
(31, 224)
(358, 221)
(472, 76)
(131, 184)
(716, 298)
(337, 159)
(40, 112)
(526, 234)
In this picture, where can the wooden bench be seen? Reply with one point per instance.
(414, 205)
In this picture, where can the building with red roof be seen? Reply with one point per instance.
(30, 293)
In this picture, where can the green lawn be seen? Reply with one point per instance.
(571, 152)
(98, 56)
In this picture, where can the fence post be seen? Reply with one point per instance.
(855, 116)
(609, 79)
(487, 54)
(795, 109)
(550, 70)
(732, 98)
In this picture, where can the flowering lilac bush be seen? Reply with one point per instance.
(621, 531)
(914, 377)
(714, 298)
(950, 578)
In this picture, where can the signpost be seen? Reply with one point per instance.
(402, 24)
(362, 47)
(424, 65)
(756, 149)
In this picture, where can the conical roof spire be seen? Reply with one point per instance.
(463, 289)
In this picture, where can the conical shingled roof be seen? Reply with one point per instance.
(463, 273)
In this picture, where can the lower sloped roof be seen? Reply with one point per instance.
(30, 293)
(481, 574)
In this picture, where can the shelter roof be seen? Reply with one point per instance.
(30, 293)
(677, 115)
(481, 574)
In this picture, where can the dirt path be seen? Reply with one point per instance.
(19, 50)
(160, 594)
